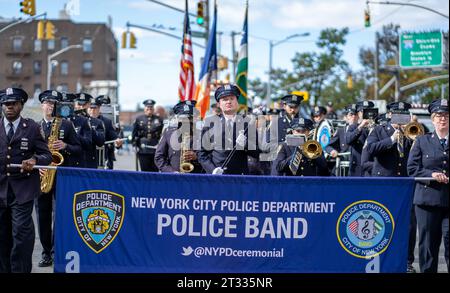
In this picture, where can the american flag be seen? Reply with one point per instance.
(354, 227)
(186, 90)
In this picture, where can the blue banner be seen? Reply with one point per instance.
(113, 221)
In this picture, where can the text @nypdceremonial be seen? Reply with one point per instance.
(234, 218)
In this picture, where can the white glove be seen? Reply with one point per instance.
(218, 171)
(394, 136)
(241, 139)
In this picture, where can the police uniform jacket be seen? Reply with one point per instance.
(214, 156)
(426, 157)
(98, 140)
(110, 134)
(84, 132)
(167, 159)
(366, 163)
(26, 143)
(307, 167)
(72, 154)
(337, 141)
(386, 158)
(284, 123)
(355, 138)
(147, 133)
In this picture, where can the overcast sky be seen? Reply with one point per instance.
(152, 70)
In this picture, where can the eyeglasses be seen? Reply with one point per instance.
(441, 115)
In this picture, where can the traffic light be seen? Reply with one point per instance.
(49, 31)
(349, 82)
(28, 7)
(367, 18)
(303, 94)
(124, 40)
(200, 13)
(40, 30)
(132, 41)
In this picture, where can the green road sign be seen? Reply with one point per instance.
(418, 50)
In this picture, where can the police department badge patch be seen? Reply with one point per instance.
(98, 216)
(365, 229)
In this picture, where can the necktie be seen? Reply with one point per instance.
(443, 142)
(10, 132)
(229, 134)
(400, 148)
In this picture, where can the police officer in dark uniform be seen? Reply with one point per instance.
(429, 158)
(146, 134)
(389, 149)
(337, 142)
(331, 114)
(110, 133)
(356, 136)
(21, 142)
(68, 145)
(367, 159)
(82, 128)
(227, 139)
(167, 155)
(291, 111)
(306, 167)
(82, 104)
(318, 114)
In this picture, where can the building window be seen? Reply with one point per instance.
(64, 68)
(17, 45)
(37, 67)
(87, 67)
(17, 67)
(37, 45)
(51, 44)
(64, 43)
(87, 45)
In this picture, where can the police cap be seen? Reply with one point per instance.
(13, 95)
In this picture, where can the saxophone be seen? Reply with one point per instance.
(48, 178)
(185, 166)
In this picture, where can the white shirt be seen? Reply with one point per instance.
(15, 124)
(446, 137)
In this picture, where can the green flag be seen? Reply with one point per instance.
(242, 69)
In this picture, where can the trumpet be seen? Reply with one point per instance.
(413, 130)
(310, 149)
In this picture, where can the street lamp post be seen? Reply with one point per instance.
(50, 57)
(272, 44)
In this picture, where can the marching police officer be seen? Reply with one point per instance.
(331, 114)
(82, 104)
(21, 142)
(429, 158)
(146, 134)
(291, 111)
(356, 136)
(337, 142)
(110, 133)
(227, 139)
(318, 114)
(68, 145)
(389, 149)
(82, 128)
(179, 139)
(307, 167)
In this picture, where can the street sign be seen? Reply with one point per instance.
(198, 34)
(419, 50)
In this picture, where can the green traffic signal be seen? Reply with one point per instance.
(200, 20)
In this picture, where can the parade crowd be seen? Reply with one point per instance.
(274, 141)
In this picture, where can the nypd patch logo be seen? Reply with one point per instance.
(365, 229)
(98, 217)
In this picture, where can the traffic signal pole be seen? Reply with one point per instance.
(27, 20)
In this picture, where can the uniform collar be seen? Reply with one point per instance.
(15, 123)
